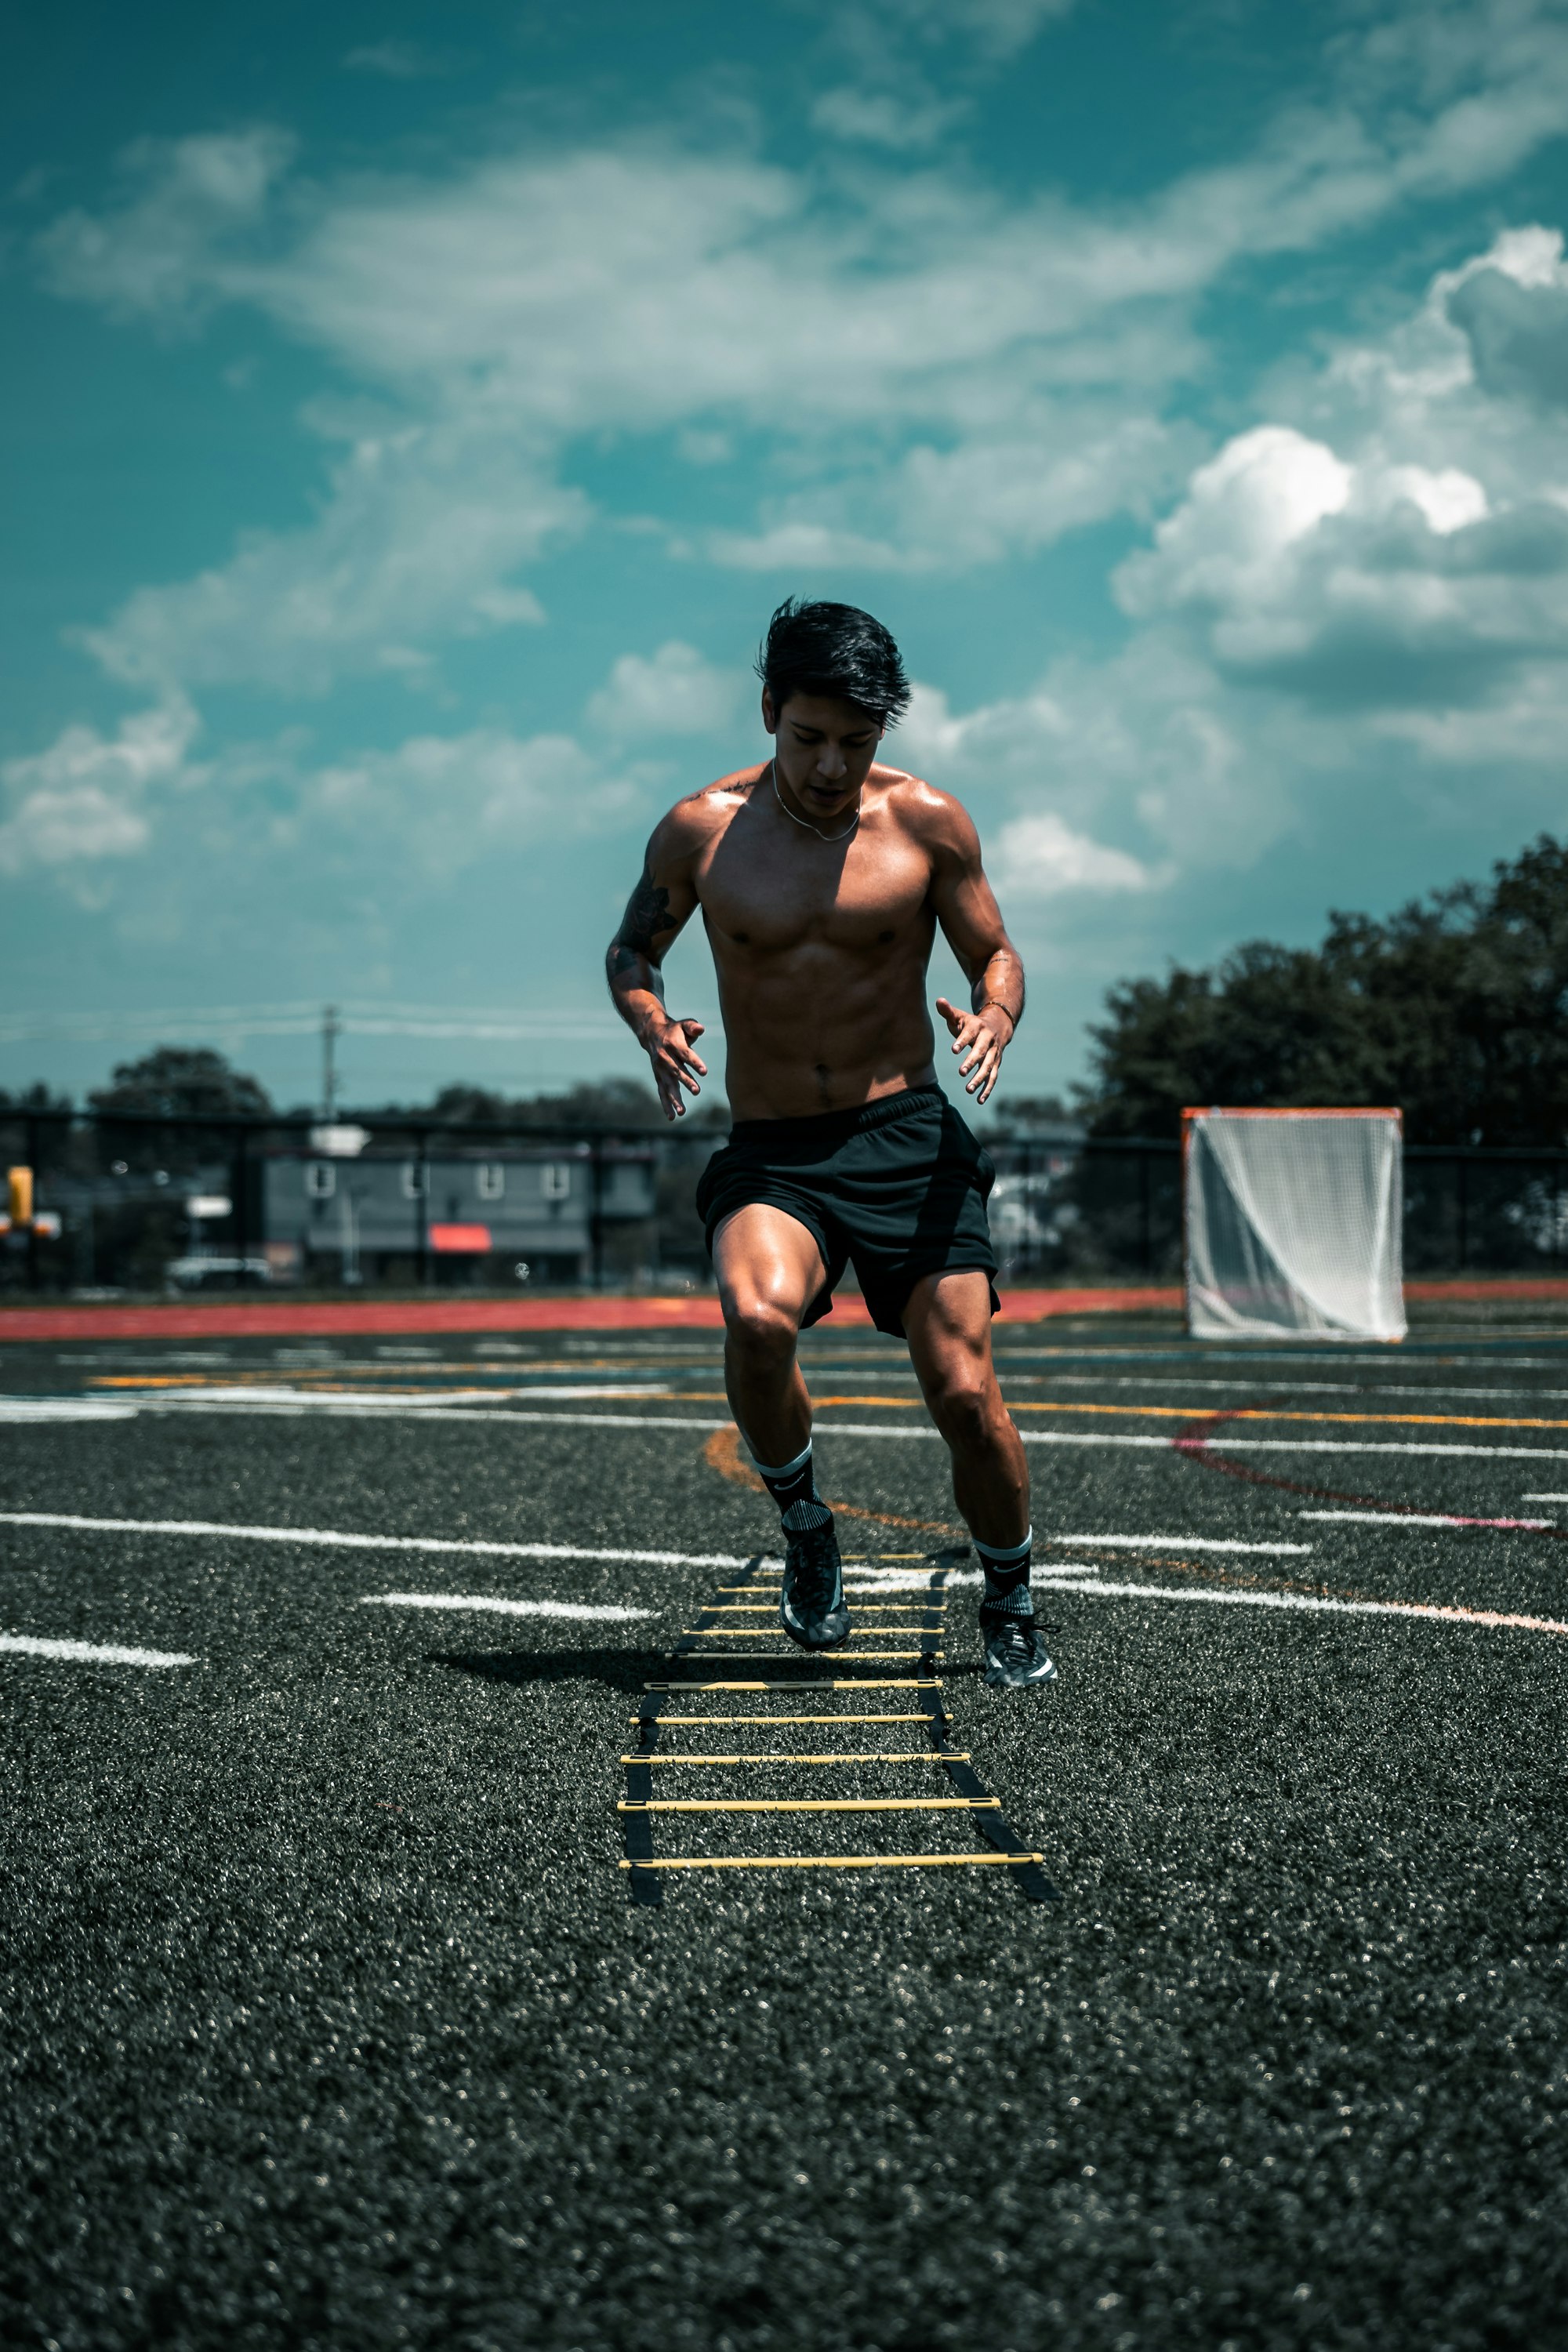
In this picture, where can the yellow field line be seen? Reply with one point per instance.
(825, 1861)
(1197, 1413)
(814, 1805)
(850, 1756)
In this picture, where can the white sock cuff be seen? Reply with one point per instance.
(786, 1469)
(1005, 1555)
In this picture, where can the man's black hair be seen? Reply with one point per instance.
(836, 650)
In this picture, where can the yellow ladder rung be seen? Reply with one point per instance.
(850, 1657)
(825, 1861)
(833, 1682)
(875, 1609)
(812, 1805)
(850, 1756)
(693, 1719)
(750, 1633)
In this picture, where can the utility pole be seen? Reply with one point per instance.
(332, 1030)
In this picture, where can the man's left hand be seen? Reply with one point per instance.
(982, 1038)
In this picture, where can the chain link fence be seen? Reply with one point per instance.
(141, 1203)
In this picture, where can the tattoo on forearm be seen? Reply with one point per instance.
(648, 914)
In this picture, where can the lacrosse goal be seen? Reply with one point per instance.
(1293, 1224)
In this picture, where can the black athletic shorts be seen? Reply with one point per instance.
(897, 1188)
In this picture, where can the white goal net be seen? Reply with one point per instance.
(1293, 1224)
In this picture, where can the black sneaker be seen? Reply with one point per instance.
(1015, 1654)
(811, 1609)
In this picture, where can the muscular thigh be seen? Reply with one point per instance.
(947, 1320)
(763, 1256)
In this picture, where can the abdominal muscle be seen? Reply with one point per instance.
(816, 1029)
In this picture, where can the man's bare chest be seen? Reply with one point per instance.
(858, 899)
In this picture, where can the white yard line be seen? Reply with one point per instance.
(1194, 1543)
(224, 1401)
(109, 1653)
(64, 1409)
(1546, 1498)
(342, 1539)
(1311, 1604)
(1395, 1519)
(501, 1608)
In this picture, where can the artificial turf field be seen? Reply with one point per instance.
(329, 2020)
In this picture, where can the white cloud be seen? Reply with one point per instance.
(1416, 560)
(85, 797)
(448, 801)
(878, 119)
(418, 541)
(398, 60)
(676, 692)
(1042, 856)
(984, 372)
(1511, 306)
(187, 200)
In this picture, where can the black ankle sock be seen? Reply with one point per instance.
(1006, 1572)
(791, 1484)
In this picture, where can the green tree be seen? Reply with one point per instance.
(1456, 1008)
(174, 1084)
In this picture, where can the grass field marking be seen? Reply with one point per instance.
(1443, 1611)
(1546, 1498)
(106, 1653)
(814, 1805)
(605, 1613)
(342, 1539)
(822, 1756)
(1396, 1516)
(829, 1861)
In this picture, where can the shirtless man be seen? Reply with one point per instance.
(822, 875)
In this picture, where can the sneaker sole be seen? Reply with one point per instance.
(817, 1648)
(1036, 1682)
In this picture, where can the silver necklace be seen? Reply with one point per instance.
(806, 822)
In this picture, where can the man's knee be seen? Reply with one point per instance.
(761, 1324)
(967, 1406)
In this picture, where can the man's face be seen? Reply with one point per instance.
(825, 748)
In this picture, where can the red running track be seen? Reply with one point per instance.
(324, 1318)
(327, 1318)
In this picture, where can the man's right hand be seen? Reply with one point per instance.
(668, 1044)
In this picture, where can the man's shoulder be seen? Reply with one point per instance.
(695, 819)
(937, 818)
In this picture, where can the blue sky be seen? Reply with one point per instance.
(412, 415)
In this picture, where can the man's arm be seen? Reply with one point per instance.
(971, 925)
(661, 904)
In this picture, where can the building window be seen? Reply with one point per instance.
(416, 1180)
(320, 1179)
(492, 1180)
(556, 1179)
